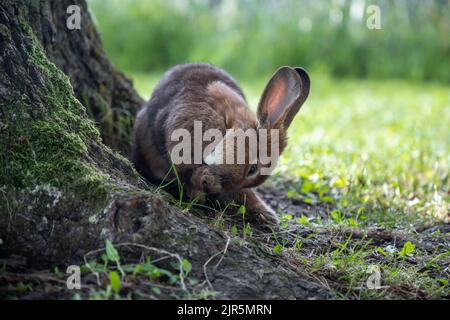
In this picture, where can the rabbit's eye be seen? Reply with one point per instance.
(252, 170)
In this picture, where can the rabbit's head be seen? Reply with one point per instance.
(245, 156)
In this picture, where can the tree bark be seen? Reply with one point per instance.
(63, 192)
(106, 93)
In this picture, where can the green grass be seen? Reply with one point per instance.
(142, 278)
(378, 145)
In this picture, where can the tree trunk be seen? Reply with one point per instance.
(63, 192)
(105, 92)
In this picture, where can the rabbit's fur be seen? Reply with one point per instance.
(203, 92)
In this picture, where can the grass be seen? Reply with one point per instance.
(375, 155)
(378, 145)
(153, 281)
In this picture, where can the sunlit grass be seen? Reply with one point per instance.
(377, 151)
(378, 144)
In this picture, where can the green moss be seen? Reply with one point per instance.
(105, 114)
(45, 139)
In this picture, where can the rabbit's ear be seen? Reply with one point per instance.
(283, 96)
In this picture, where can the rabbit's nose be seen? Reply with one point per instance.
(205, 185)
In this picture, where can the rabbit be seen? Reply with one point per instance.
(205, 93)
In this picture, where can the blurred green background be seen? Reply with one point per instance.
(372, 140)
(248, 37)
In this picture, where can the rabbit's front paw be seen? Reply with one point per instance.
(267, 216)
(196, 195)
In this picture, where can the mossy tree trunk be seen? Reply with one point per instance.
(63, 191)
(106, 93)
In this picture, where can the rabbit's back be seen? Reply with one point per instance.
(182, 92)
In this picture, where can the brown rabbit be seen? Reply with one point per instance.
(203, 93)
